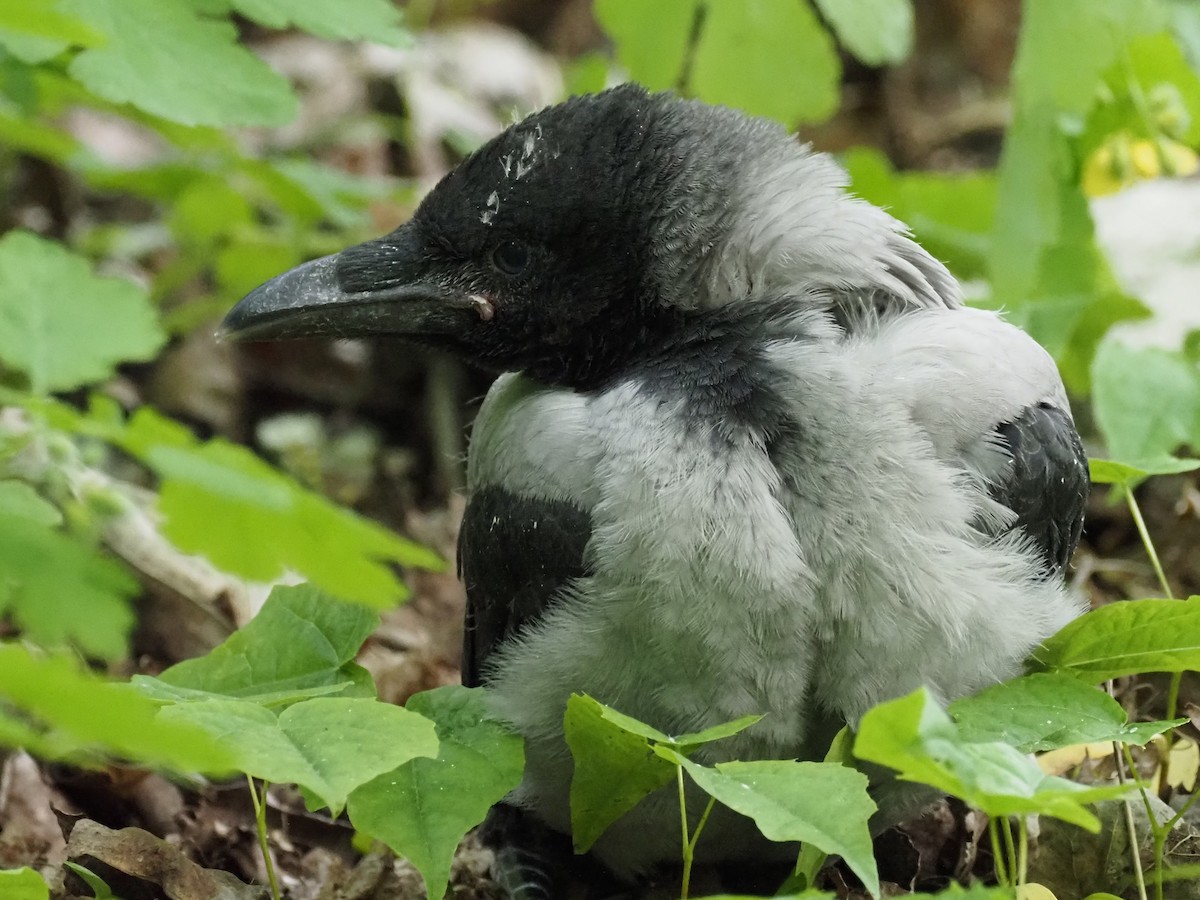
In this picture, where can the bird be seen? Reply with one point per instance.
(747, 451)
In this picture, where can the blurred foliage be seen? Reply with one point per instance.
(219, 211)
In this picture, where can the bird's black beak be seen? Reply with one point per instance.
(382, 287)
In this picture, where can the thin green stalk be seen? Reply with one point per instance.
(1022, 850)
(260, 821)
(687, 842)
(1138, 521)
(1010, 848)
(1131, 828)
(703, 819)
(997, 855)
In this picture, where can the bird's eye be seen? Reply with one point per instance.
(511, 257)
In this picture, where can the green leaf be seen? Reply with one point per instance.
(915, 737)
(1130, 475)
(423, 809)
(269, 524)
(1147, 401)
(615, 762)
(716, 733)
(52, 309)
(951, 214)
(1044, 265)
(19, 500)
(329, 746)
(23, 884)
(651, 38)
(615, 766)
(876, 31)
(68, 713)
(377, 21)
(823, 804)
(1125, 638)
(768, 57)
(58, 589)
(301, 641)
(164, 58)
(1047, 711)
(34, 30)
(99, 887)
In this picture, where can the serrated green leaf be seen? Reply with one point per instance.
(23, 884)
(1146, 401)
(915, 737)
(1131, 474)
(269, 523)
(1125, 638)
(60, 590)
(377, 21)
(770, 58)
(423, 809)
(164, 58)
(52, 310)
(1046, 711)
(71, 714)
(301, 641)
(329, 745)
(822, 804)
(876, 31)
(615, 766)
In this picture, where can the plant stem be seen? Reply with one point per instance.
(997, 855)
(686, 879)
(1130, 827)
(684, 82)
(260, 822)
(1022, 849)
(1010, 848)
(1138, 521)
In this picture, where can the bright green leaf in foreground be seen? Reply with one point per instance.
(328, 745)
(1130, 475)
(22, 884)
(371, 20)
(915, 737)
(822, 804)
(614, 767)
(423, 809)
(60, 324)
(1126, 638)
(161, 56)
(615, 763)
(57, 588)
(1045, 712)
(875, 31)
(67, 713)
(301, 643)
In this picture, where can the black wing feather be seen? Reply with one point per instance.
(514, 554)
(1047, 485)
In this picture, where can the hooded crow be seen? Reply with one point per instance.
(748, 452)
